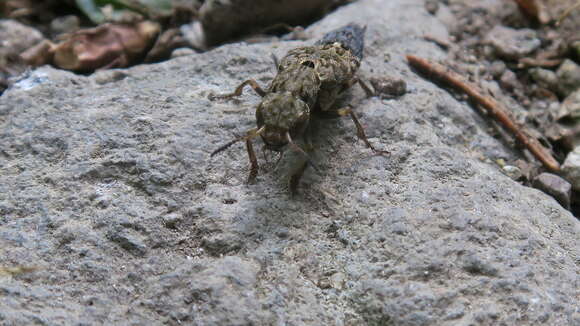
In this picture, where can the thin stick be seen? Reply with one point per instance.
(494, 108)
(567, 13)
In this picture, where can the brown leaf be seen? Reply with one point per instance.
(105, 46)
(38, 55)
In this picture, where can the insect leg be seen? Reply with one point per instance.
(295, 178)
(363, 85)
(253, 161)
(297, 175)
(249, 147)
(239, 90)
(276, 62)
(360, 132)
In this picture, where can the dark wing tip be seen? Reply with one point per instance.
(351, 36)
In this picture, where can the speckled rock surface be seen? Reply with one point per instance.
(107, 188)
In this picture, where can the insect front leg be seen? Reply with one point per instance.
(253, 161)
(239, 90)
(294, 181)
(295, 178)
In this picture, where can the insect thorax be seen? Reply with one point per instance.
(282, 110)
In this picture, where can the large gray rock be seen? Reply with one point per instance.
(106, 186)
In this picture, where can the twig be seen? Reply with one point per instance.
(494, 108)
(531, 62)
(567, 13)
(441, 43)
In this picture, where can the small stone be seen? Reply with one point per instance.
(194, 35)
(554, 186)
(431, 6)
(571, 168)
(568, 77)
(16, 37)
(509, 80)
(65, 24)
(283, 232)
(182, 52)
(570, 108)
(389, 87)
(512, 43)
(545, 78)
(497, 69)
(129, 242)
(103, 77)
(513, 172)
(575, 47)
(337, 280)
(324, 283)
(171, 221)
(221, 244)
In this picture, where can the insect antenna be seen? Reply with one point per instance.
(252, 133)
(297, 148)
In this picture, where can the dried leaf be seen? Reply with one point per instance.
(38, 55)
(105, 46)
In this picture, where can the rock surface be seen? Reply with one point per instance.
(107, 188)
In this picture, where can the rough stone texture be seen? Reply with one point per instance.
(556, 186)
(512, 43)
(106, 186)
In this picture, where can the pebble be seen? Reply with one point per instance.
(129, 242)
(568, 77)
(497, 69)
(389, 87)
(545, 78)
(16, 37)
(182, 52)
(512, 43)
(509, 80)
(513, 172)
(575, 46)
(571, 168)
(554, 186)
(171, 221)
(431, 6)
(65, 24)
(570, 108)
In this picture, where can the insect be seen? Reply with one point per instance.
(308, 82)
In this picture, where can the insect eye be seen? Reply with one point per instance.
(308, 63)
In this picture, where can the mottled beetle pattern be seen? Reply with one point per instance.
(309, 81)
